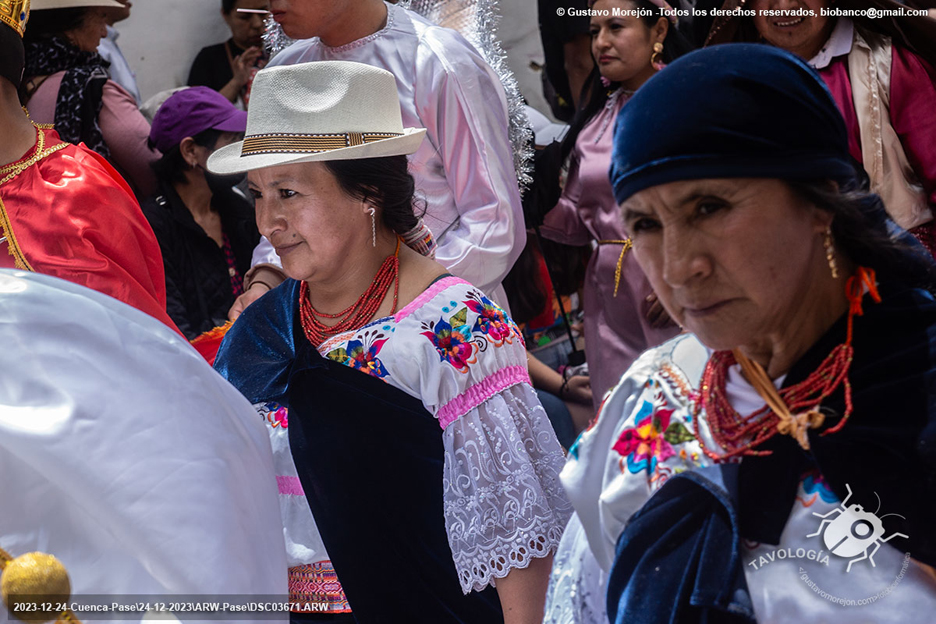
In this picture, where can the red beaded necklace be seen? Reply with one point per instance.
(791, 410)
(359, 312)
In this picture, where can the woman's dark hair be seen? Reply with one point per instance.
(384, 181)
(172, 167)
(49, 23)
(864, 232)
(674, 45)
(526, 292)
(227, 6)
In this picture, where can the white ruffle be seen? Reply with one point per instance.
(504, 504)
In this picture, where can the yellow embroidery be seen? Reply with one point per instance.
(12, 170)
(19, 260)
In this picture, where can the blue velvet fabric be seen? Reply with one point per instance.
(766, 114)
(370, 460)
(258, 351)
(679, 558)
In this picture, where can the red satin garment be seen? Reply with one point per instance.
(67, 213)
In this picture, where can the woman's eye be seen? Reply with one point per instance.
(256, 194)
(707, 207)
(643, 224)
(287, 193)
(593, 32)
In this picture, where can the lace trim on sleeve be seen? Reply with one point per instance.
(504, 504)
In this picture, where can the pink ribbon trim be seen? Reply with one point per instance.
(481, 392)
(427, 296)
(290, 486)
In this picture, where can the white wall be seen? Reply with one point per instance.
(161, 38)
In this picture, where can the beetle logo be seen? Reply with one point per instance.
(854, 531)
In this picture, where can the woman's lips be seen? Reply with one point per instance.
(285, 249)
(706, 310)
(790, 23)
(605, 59)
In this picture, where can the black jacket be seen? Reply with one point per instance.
(198, 283)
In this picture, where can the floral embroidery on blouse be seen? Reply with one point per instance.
(452, 340)
(457, 343)
(815, 487)
(492, 322)
(645, 446)
(361, 354)
(274, 414)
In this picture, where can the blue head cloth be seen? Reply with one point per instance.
(731, 111)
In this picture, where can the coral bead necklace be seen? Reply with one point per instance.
(359, 312)
(791, 411)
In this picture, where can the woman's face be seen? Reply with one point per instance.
(87, 37)
(731, 259)
(246, 28)
(622, 45)
(310, 221)
(803, 36)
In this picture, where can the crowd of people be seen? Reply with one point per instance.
(302, 328)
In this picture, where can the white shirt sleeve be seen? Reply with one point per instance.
(504, 504)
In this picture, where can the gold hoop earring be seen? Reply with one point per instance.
(656, 59)
(830, 251)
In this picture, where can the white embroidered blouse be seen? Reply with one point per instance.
(644, 434)
(465, 360)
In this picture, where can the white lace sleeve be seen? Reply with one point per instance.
(504, 504)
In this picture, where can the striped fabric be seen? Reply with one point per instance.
(317, 584)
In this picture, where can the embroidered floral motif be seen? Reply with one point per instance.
(362, 354)
(647, 445)
(452, 340)
(492, 321)
(815, 486)
(275, 414)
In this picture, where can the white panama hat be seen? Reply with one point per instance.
(42, 5)
(324, 110)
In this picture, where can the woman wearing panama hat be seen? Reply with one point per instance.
(66, 83)
(414, 432)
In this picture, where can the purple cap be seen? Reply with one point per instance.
(191, 111)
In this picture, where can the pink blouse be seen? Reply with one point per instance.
(123, 126)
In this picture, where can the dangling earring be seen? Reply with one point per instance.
(830, 251)
(373, 220)
(656, 59)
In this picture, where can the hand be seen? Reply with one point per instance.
(657, 314)
(578, 389)
(240, 304)
(244, 64)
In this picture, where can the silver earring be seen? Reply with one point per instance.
(373, 220)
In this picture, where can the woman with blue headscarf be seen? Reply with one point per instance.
(776, 463)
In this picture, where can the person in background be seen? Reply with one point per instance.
(882, 74)
(567, 54)
(229, 67)
(464, 169)
(621, 317)
(206, 230)
(119, 69)
(66, 84)
(64, 211)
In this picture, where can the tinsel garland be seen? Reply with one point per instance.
(476, 21)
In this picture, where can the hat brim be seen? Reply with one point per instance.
(229, 159)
